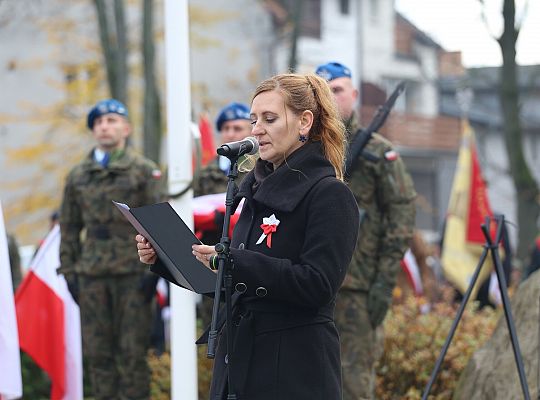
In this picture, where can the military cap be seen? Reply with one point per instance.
(105, 107)
(232, 112)
(333, 70)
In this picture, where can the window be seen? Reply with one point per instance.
(310, 16)
(402, 102)
(423, 171)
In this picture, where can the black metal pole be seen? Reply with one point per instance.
(455, 324)
(494, 246)
(224, 282)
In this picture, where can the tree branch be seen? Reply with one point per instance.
(106, 46)
(121, 51)
(485, 21)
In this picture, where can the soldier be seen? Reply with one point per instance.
(96, 254)
(384, 189)
(233, 124)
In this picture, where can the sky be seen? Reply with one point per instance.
(457, 25)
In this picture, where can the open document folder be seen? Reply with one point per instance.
(172, 240)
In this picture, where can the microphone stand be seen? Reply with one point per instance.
(224, 281)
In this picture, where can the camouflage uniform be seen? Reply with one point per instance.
(385, 191)
(98, 248)
(14, 261)
(209, 180)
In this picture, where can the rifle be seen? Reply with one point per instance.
(362, 136)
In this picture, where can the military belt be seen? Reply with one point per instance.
(105, 232)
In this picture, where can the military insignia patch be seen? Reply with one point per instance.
(156, 174)
(391, 155)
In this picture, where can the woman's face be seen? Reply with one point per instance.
(276, 127)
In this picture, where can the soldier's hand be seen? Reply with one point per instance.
(379, 300)
(148, 285)
(146, 252)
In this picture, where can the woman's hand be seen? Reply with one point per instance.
(147, 254)
(203, 253)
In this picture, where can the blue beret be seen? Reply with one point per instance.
(105, 107)
(232, 112)
(333, 70)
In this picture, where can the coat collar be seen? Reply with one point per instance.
(284, 188)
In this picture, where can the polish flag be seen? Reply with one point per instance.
(162, 293)
(49, 321)
(410, 267)
(10, 361)
(205, 210)
(208, 148)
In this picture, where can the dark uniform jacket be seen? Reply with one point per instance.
(96, 238)
(286, 346)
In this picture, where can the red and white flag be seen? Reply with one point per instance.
(410, 267)
(208, 148)
(49, 321)
(10, 359)
(204, 213)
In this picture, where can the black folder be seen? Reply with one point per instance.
(172, 240)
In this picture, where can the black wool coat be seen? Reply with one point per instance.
(286, 346)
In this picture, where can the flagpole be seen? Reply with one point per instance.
(183, 327)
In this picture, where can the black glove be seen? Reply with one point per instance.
(379, 300)
(148, 286)
(73, 286)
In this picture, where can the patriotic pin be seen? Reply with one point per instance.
(268, 226)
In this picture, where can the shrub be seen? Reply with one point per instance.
(414, 340)
(160, 386)
(36, 383)
(160, 382)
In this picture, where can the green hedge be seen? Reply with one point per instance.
(414, 340)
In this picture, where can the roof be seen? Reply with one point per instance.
(419, 35)
(486, 108)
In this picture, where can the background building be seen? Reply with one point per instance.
(52, 71)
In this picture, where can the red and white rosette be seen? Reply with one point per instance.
(268, 226)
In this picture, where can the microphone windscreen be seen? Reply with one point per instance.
(255, 145)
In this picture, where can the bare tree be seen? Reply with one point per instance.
(527, 193)
(114, 43)
(152, 107)
(296, 22)
(112, 33)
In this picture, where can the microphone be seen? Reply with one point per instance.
(236, 149)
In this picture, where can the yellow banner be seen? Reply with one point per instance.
(460, 259)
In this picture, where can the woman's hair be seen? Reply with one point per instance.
(311, 92)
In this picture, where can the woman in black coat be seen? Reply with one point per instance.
(291, 247)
